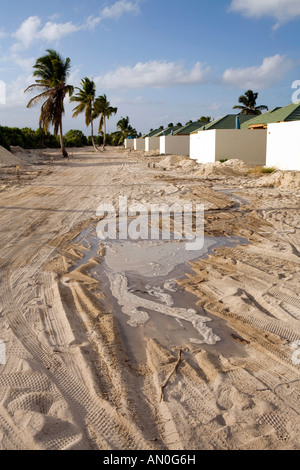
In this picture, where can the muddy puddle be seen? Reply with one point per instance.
(139, 283)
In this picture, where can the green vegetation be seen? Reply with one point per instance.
(268, 170)
(75, 138)
(85, 98)
(51, 73)
(248, 104)
(223, 160)
(30, 139)
(259, 170)
(205, 119)
(125, 131)
(105, 111)
(27, 138)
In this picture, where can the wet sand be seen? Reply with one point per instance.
(78, 376)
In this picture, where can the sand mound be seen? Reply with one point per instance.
(8, 159)
(171, 161)
(284, 179)
(237, 165)
(229, 168)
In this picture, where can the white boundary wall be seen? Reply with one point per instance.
(151, 143)
(243, 144)
(203, 146)
(283, 146)
(129, 143)
(175, 144)
(139, 144)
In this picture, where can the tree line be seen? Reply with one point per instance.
(52, 72)
(28, 138)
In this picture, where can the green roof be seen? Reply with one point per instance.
(168, 131)
(152, 133)
(287, 113)
(226, 122)
(190, 128)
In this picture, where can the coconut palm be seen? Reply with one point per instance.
(125, 129)
(248, 104)
(105, 111)
(85, 97)
(51, 72)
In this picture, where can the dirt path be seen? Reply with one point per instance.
(68, 382)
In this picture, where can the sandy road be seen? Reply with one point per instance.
(31, 219)
(67, 382)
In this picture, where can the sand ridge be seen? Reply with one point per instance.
(70, 382)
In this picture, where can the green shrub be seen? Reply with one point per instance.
(75, 138)
(268, 170)
(3, 140)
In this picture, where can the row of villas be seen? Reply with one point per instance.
(271, 139)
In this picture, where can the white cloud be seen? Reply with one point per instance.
(55, 31)
(153, 74)
(16, 98)
(31, 31)
(27, 32)
(261, 76)
(282, 10)
(115, 11)
(119, 8)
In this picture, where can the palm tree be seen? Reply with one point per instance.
(105, 110)
(85, 98)
(125, 129)
(248, 104)
(205, 119)
(51, 72)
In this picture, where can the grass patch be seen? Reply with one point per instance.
(268, 170)
(223, 160)
(261, 170)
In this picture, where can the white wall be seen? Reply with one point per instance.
(175, 144)
(129, 143)
(139, 144)
(283, 145)
(151, 143)
(243, 144)
(203, 146)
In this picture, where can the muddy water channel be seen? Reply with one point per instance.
(139, 283)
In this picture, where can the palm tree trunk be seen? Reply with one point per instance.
(104, 133)
(92, 136)
(62, 145)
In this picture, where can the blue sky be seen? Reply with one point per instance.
(158, 61)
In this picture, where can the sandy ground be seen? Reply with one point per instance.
(84, 372)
